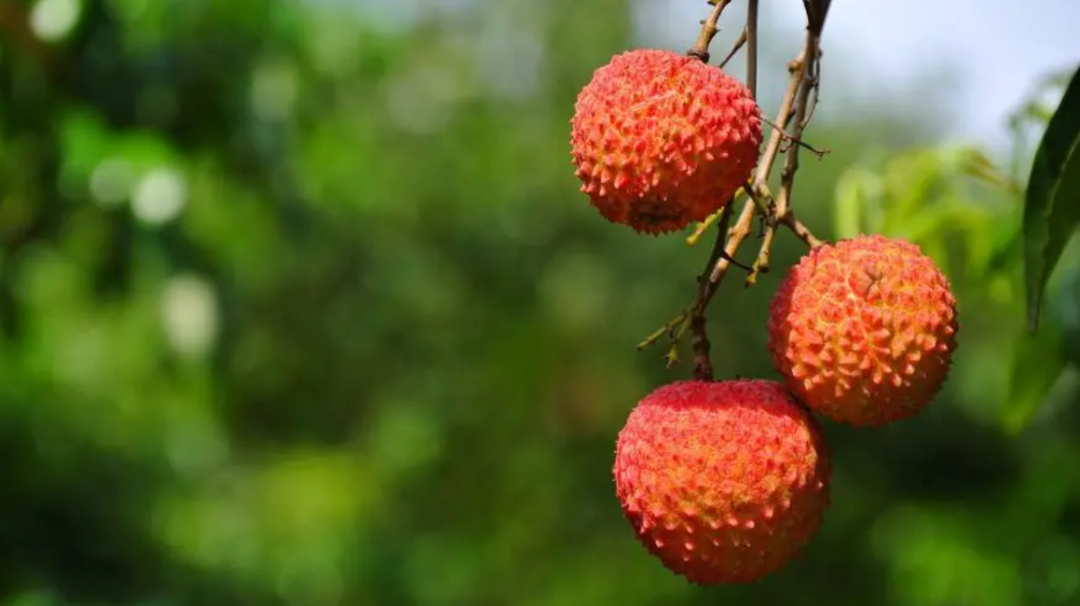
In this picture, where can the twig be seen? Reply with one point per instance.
(701, 228)
(708, 32)
(666, 329)
(734, 49)
(816, 74)
(815, 13)
(752, 44)
(699, 342)
(819, 152)
(677, 326)
(764, 197)
(704, 226)
(772, 148)
(802, 231)
(720, 254)
(707, 282)
(802, 83)
(796, 106)
(738, 233)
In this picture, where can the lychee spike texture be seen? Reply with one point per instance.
(660, 139)
(724, 482)
(863, 331)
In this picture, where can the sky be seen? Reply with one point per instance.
(989, 54)
(970, 63)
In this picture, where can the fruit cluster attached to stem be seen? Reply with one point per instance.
(727, 481)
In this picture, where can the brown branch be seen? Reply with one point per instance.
(706, 281)
(819, 152)
(797, 105)
(783, 117)
(678, 325)
(763, 201)
(752, 43)
(720, 254)
(738, 233)
(816, 10)
(699, 342)
(802, 83)
(802, 231)
(815, 96)
(708, 31)
(734, 49)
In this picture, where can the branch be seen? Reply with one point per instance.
(815, 13)
(797, 105)
(708, 31)
(720, 254)
(703, 370)
(752, 46)
(734, 49)
(676, 327)
(820, 153)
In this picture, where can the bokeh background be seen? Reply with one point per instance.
(300, 305)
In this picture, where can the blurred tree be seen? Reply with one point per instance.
(300, 305)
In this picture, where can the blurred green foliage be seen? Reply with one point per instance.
(300, 305)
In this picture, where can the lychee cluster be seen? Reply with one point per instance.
(727, 481)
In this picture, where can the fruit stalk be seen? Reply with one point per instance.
(751, 41)
(797, 105)
(708, 32)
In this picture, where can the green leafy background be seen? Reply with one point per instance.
(300, 305)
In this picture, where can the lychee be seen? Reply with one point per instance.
(661, 139)
(724, 482)
(863, 331)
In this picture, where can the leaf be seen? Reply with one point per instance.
(1037, 363)
(856, 190)
(1052, 201)
(1007, 246)
(977, 164)
(1067, 308)
(911, 180)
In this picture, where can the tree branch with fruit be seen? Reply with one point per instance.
(797, 105)
(726, 480)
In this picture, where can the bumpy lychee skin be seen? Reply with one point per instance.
(863, 331)
(724, 482)
(660, 139)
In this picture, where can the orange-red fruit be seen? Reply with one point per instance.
(863, 331)
(724, 482)
(660, 139)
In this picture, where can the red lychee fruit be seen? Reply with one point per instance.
(724, 482)
(863, 331)
(661, 139)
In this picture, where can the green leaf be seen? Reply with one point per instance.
(1007, 246)
(975, 163)
(855, 191)
(1037, 363)
(1052, 202)
(911, 181)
